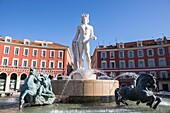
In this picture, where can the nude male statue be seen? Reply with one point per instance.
(81, 43)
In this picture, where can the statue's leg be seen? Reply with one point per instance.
(21, 99)
(87, 53)
(75, 55)
(80, 55)
(158, 99)
(75, 62)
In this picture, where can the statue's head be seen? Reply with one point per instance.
(32, 71)
(84, 18)
(147, 80)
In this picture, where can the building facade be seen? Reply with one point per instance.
(147, 56)
(17, 56)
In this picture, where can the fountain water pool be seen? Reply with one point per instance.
(95, 107)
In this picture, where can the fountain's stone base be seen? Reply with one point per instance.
(85, 88)
(77, 76)
(87, 99)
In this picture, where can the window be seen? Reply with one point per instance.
(150, 52)
(139, 44)
(43, 64)
(121, 45)
(34, 63)
(15, 62)
(60, 64)
(163, 75)
(24, 63)
(162, 62)
(16, 51)
(51, 64)
(161, 51)
(5, 61)
(52, 53)
(44, 44)
(26, 41)
(121, 54)
(43, 53)
(131, 64)
(8, 39)
(112, 64)
(103, 55)
(140, 53)
(6, 49)
(122, 64)
(151, 63)
(103, 64)
(130, 54)
(35, 52)
(169, 50)
(60, 54)
(112, 55)
(159, 41)
(141, 63)
(25, 51)
(153, 73)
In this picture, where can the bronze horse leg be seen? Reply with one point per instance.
(158, 99)
(138, 102)
(153, 98)
(119, 98)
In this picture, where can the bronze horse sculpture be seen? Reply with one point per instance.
(140, 93)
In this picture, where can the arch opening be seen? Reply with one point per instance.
(13, 80)
(23, 78)
(3, 77)
(59, 77)
(51, 77)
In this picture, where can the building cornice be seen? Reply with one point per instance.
(135, 48)
(132, 70)
(34, 46)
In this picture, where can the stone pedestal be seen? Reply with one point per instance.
(85, 88)
(80, 77)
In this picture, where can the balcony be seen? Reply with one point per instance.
(164, 79)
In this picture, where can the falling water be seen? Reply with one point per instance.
(86, 74)
(130, 74)
(69, 78)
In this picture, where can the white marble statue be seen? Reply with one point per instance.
(81, 43)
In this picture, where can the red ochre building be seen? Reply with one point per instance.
(17, 56)
(147, 56)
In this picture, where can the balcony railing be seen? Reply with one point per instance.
(164, 79)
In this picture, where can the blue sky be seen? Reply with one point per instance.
(57, 20)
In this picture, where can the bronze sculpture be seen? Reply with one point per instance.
(140, 93)
(36, 90)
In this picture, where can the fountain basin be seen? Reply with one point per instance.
(85, 88)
